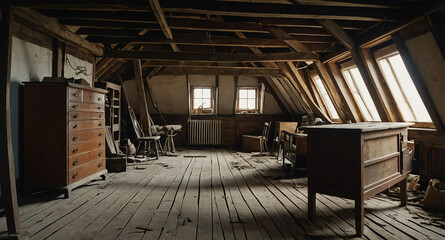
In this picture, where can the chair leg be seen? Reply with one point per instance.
(156, 149)
(137, 149)
(173, 145)
(261, 147)
(160, 146)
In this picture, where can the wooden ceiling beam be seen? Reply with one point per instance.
(283, 10)
(159, 14)
(211, 57)
(192, 25)
(194, 39)
(51, 26)
(212, 70)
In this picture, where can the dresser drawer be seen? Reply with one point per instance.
(93, 97)
(86, 170)
(75, 94)
(85, 115)
(87, 135)
(85, 124)
(75, 149)
(85, 107)
(83, 158)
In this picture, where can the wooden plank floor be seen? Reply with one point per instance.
(213, 194)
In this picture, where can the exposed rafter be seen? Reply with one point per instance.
(157, 11)
(213, 70)
(211, 57)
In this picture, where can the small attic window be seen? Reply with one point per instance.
(401, 85)
(202, 100)
(247, 101)
(325, 98)
(360, 92)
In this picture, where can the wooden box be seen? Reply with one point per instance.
(64, 128)
(356, 161)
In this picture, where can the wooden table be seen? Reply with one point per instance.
(357, 161)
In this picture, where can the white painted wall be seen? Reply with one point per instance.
(171, 93)
(75, 68)
(29, 63)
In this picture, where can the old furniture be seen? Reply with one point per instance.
(278, 135)
(64, 129)
(147, 141)
(294, 147)
(112, 109)
(356, 161)
(255, 143)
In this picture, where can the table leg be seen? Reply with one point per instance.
(312, 197)
(359, 215)
(403, 194)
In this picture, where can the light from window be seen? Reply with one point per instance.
(202, 98)
(361, 94)
(402, 88)
(247, 99)
(327, 100)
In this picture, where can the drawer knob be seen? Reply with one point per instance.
(76, 94)
(75, 162)
(100, 144)
(75, 138)
(75, 115)
(100, 154)
(75, 126)
(75, 175)
(100, 134)
(100, 124)
(75, 150)
(99, 99)
(100, 165)
(75, 106)
(100, 115)
(99, 108)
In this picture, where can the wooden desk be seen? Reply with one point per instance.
(356, 161)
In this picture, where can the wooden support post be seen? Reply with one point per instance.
(57, 59)
(143, 106)
(7, 171)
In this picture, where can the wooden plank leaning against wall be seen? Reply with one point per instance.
(7, 172)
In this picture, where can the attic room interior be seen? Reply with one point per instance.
(225, 119)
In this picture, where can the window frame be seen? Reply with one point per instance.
(248, 111)
(312, 76)
(346, 67)
(210, 110)
(385, 53)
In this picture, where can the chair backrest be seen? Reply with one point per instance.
(137, 128)
(266, 130)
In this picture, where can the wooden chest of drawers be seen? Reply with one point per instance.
(357, 161)
(64, 130)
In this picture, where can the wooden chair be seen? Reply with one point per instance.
(141, 138)
(252, 142)
(294, 150)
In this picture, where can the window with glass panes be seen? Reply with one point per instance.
(325, 96)
(202, 98)
(247, 99)
(360, 93)
(402, 88)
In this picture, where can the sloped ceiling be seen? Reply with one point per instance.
(271, 39)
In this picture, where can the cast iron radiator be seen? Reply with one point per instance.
(204, 132)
